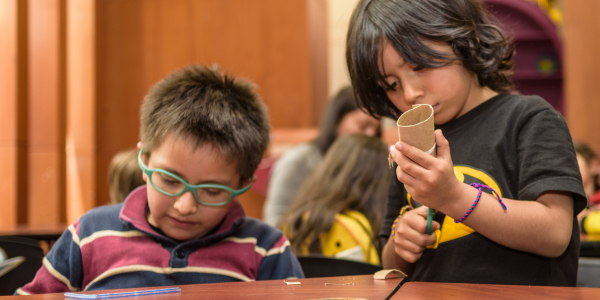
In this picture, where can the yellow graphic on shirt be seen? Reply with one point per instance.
(450, 230)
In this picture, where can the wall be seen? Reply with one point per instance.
(75, 72)
(13, 122)
(338, 17)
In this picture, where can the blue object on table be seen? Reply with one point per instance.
(124, 294)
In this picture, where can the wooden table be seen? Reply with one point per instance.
(363, 286)
(463, 291)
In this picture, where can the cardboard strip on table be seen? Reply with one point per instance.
(388, 274)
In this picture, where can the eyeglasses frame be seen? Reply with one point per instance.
(189, 187)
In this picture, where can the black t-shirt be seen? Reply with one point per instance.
(521, 147)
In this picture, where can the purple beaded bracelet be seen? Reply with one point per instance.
(480, 188)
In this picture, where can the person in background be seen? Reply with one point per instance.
(589, 166)
(203, 135)
(339, 209)
(589, 218)
(124, 175)
(289, 172)
(450, 55)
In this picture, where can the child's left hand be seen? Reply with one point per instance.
(429, 180)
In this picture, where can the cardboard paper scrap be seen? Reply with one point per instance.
(388, 274)
(292, 282)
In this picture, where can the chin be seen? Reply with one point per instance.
(179, 236)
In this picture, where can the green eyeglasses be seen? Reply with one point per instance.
(173, 185)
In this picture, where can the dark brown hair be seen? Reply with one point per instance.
(353, 175)
(204, 106)
(465, 25)
(340, 106)
(584, 150)
(124, 175)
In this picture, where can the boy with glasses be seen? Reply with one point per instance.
(203, 135)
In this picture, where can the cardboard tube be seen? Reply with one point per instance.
(416, 127)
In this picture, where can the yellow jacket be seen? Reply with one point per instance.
(590, 224)
(348, 238)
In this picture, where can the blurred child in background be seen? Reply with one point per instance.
(342, 117)
(339, 209)
(124, 175)
(589, 218)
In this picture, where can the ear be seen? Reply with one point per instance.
(247, 181)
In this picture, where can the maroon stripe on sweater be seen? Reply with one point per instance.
(135, 211)
(109, 252)
(236, 257)
(282, 240)
(44, 282)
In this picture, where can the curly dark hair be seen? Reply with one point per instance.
(482, 47)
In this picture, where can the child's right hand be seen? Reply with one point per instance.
(411, 236)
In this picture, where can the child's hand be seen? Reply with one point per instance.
(411, 236)
(429, 180)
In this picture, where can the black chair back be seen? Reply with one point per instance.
(25, 272)
(588, 274)
(315, 265)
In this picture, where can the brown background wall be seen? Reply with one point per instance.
(71, 100)
(13, 124)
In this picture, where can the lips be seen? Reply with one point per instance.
(181, 224)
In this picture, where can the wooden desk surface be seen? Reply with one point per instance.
(363, 286)
(463, 291)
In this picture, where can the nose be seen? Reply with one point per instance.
(186, 204)
(412, 90)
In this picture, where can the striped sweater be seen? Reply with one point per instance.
(114, 247)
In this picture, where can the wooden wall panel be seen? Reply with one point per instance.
(46, 91)
(13, 115)
(582, 105)
(74, 73)
(287, 86)
(265, 41)
(317, 41)
(80, 135)
(120, 84)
